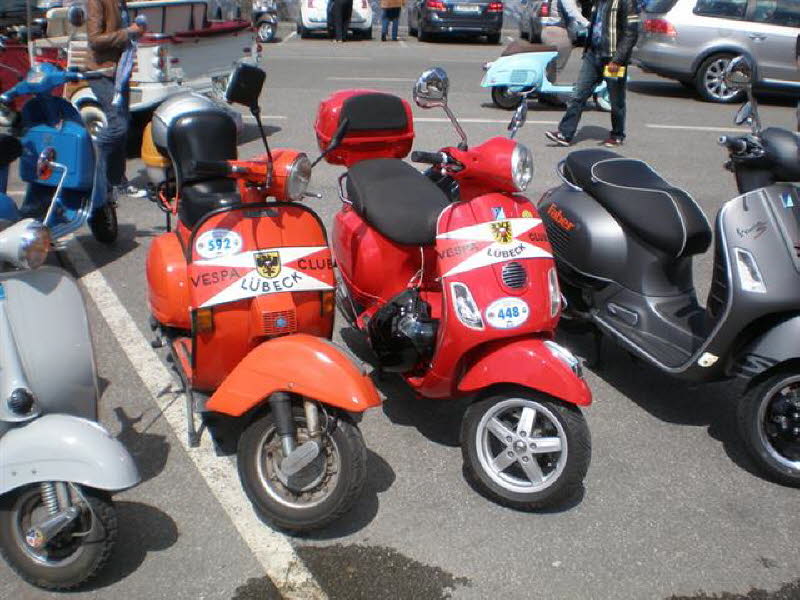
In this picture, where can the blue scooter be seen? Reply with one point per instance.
(56, 160)
(523, 73)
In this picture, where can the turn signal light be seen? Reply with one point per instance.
(495, 7)
(544, 9)
(328, 302)
(435, 5)
(659, 26)
(203, 320)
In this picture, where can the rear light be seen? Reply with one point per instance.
(544, 9)
(364, 4)
(495, 7)
(660, 26)
(435, 5)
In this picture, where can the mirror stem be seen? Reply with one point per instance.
(256, 111)
(459, 130)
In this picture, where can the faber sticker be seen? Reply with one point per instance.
(218, 242)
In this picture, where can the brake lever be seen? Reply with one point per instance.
(316, 195)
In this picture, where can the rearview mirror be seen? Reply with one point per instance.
(245, 85)
(519, 118)
(739, 74)
(430, 91)
(744, 115)
(76, 16)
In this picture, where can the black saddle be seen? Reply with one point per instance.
(10, 149)
(202, 197)
(396, 199)
(662, 215)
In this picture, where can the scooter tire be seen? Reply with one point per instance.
(751, 413)
(502, 99)
(352, 474)
(104, 225)
(265, 32)
(564, 487)
(95, 550)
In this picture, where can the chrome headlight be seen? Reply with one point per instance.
(25, 244)
(521, 167)
(299, 176)
(465, 306)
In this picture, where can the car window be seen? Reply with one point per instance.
(733, 9)
(659, 6)
(777, 12)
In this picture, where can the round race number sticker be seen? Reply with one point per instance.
(507, 313)
(218, 242)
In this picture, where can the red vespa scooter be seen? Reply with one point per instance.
(451, 278)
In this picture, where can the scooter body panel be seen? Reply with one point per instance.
(167, 282)
(527, 70)
(64, 448)
(50, 331)
(282, 365)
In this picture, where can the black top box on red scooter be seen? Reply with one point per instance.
(380, 125)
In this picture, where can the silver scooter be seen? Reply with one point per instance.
(58, 466)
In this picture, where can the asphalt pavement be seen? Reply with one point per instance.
(671, 505)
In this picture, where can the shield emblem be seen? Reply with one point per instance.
(502, 232)
(268, 264)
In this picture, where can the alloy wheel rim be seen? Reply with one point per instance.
(715, 80)
(778, 416)
(521, 445)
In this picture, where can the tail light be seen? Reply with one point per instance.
(328, 302)
(495, 7)
(544, 9)
(659, 26)
(364, 4)
(435, 5)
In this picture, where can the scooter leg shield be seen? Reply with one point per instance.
(300, 364)
(530, 362)
(65, 448)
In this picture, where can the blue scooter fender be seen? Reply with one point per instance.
(65, 448)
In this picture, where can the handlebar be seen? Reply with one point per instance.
(737, 145)
(429, 158)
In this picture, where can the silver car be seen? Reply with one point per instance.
(535, 14)
(694, 40)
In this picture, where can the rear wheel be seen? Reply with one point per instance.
(103, 223)
(525, 450)
(502, 98)
(769, 424)
(709, 80)
(70, 559)
(317, 495)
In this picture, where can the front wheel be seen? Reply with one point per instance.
(504, 99)
(525, 450)
(769, 424)
(103, 223)
(266, 32)
(70, 559)
(319, 493)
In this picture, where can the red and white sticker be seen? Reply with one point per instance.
(270, 271)
(489, 243)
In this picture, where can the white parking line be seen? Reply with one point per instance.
(287, 38)
(316, 57)
(271, 548)
(378, 79)
(403, 44)
(694, 128)
(486, 121)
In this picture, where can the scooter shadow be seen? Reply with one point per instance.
(142, 529)
(710, 405)
(150, 451)
(437, 420)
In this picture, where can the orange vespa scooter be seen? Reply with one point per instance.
(242, 293)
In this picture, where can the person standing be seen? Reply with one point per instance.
(570, 17)
(613, 31)
(342, 11)
(110, 34)
(391, 14)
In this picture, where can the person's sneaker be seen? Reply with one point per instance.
(129, 190)
(557, 137)
(613, 142)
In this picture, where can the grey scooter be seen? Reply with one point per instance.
(58, 466)
(624, 238)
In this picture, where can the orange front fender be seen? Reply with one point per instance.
(299, 364)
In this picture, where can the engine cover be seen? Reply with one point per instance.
(402, 333)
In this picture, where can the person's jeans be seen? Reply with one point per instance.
(390, 15)
(342, 12)
(112, 140)
(590, 76)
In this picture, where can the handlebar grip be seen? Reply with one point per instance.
(211, 168)
(430, 158)
(735, 144)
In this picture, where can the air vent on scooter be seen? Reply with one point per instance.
(279, 323)
(514, 275)
(557, 237)
(519, 76)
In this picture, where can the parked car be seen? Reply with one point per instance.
(477, 17)
(534, 15)
(315, 16)
(693, 41)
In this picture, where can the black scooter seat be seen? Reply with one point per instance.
(10, 149)
(396, 199)
(661, 214)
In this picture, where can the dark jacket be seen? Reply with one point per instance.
(107, 37)
(620, 30)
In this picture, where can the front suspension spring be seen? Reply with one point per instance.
(49, 497)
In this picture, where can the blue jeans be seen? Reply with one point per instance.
(390, 15)
(112, 140)
(590, 76)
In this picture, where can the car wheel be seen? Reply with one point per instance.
(523, 35)
(709, 80)
(535, 36)
(423, 35)
(412, 31)
(493, 38)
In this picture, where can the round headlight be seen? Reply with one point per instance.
(521, 167)
(34, 245)
(299, 176)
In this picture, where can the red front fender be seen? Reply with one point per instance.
(300, 364)
(526, 362)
